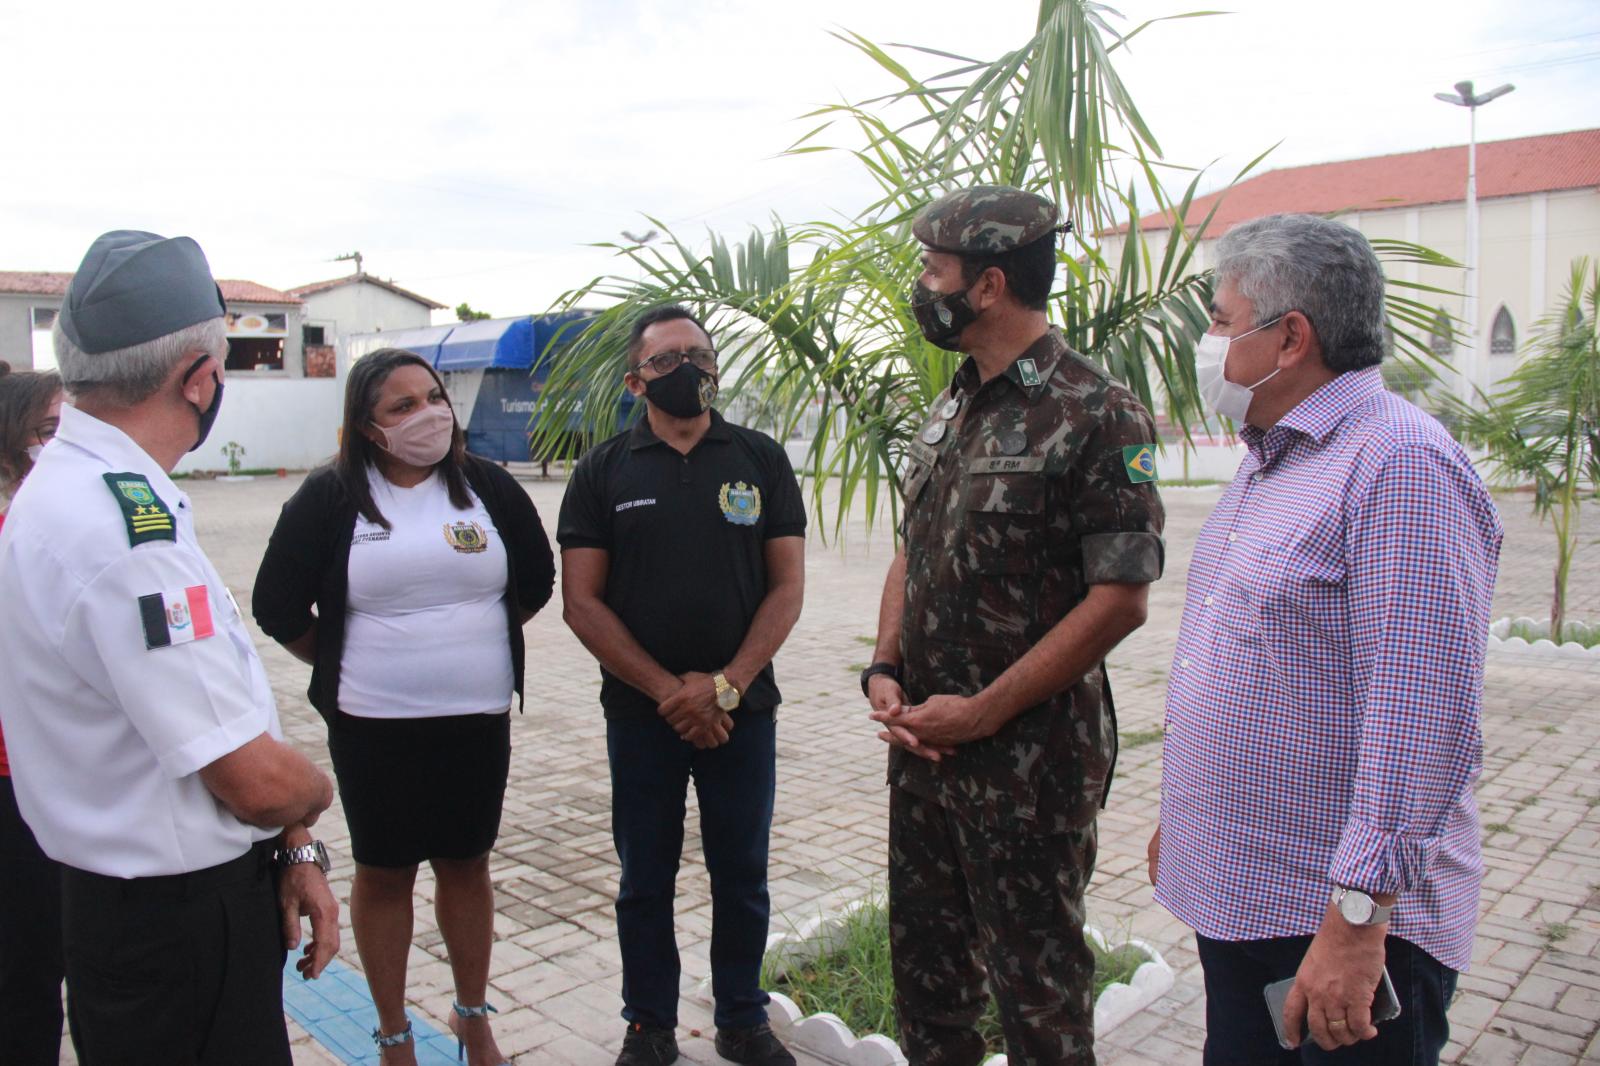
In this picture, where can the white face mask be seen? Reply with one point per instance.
(1227, 398)
(33, 452)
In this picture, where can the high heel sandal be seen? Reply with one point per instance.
(470, 1012)
(388, 1040)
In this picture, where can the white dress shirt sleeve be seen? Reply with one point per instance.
(192, 702)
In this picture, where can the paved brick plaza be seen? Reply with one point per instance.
(1533, 996)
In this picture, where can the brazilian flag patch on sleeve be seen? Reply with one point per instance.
(147, 517)
(1139, 460)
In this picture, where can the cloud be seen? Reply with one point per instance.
(472, 150)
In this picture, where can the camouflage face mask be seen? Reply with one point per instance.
(941, 315)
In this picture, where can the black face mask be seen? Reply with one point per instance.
(685, 393)
(941, 315)
(208, 417)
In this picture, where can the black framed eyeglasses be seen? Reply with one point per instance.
(663, 363)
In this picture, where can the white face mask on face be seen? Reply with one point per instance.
(1226, 398)
(33, 452)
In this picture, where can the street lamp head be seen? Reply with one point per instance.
(1464, 97)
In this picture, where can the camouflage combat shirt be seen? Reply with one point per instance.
(1020, 493)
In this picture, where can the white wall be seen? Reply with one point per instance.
(282, 422)
(1526, 245)
(16, 329)
(362, 308)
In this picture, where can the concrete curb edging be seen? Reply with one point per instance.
(826, 1037)
(1545, 648)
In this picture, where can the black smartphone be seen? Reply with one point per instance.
(1385, 1005)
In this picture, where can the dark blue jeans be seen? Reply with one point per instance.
(1239, 1029)
(650, 772)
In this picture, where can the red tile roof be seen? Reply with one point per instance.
(1516, 167)
(33, 282)
(248, 292)
(350, 279)
(50, 283)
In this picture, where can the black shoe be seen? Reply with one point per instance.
(753, 1046)
(648, 1045)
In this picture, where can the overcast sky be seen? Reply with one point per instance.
(471, 150)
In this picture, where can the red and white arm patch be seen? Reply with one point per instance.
(176, 616)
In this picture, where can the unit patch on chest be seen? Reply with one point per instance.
(740, 503)
(466, 537)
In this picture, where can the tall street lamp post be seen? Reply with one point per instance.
(1472, 366)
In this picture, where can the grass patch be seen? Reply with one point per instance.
(855, 668)
(1138, 738)
(1556, 932)
(871, 642)
(855, 981)
(1497, 827)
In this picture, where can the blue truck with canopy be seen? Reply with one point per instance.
(495, 370)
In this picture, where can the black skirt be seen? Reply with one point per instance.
(421, 788)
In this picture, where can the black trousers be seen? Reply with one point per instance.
(185, 970)
(1239, 1027)
(30, 943)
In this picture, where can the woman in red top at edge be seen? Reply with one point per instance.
(30, 882)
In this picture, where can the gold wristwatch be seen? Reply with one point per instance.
(727, 695)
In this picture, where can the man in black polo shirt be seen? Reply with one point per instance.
(683, 566)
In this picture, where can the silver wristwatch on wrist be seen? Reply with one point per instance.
(1359, 908)
(312, 852)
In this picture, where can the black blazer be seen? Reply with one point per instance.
(308, 559)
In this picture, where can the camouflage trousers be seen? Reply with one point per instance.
(969, 903)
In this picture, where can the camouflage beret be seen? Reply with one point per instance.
(985, 220)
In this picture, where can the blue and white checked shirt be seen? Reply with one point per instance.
(1323, 709)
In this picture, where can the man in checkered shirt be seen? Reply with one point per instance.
(1317, 814)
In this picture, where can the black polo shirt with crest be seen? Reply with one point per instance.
(686, 536)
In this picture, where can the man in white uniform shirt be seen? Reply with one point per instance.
(143, 736)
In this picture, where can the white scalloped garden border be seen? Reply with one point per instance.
(825, 1036)
(1571, 649)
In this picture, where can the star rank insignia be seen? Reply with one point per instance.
(147, 518)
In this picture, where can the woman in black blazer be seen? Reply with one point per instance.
(422, 563)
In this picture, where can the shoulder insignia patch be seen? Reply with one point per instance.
(741, 503)
(147, 517)
(1139, 460)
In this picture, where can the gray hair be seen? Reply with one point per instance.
(133, 374)
(1326, 270)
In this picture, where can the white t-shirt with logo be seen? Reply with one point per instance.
(425, 633)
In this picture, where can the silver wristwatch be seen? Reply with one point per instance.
(1358, 908)
(312, 852)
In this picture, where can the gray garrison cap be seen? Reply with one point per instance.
(985, 220)
(133, 287)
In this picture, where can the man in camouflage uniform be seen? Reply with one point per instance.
(1032, 532)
